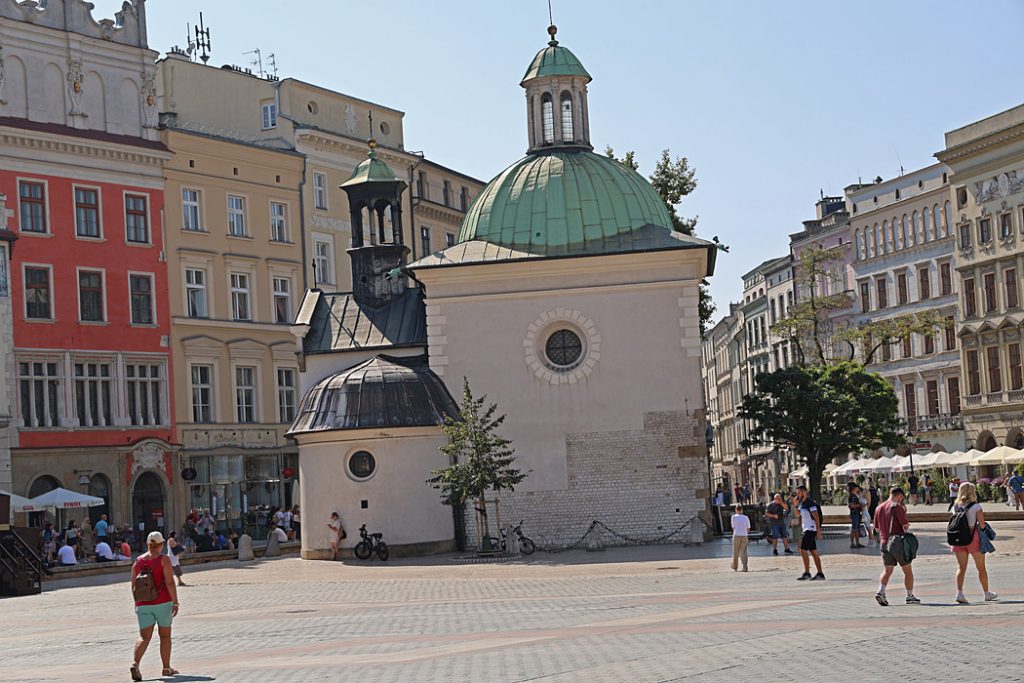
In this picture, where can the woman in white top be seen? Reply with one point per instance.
(172, 544)
(967, 499)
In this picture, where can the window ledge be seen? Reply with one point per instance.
(143, 245)
(283, 242)
(239, 237)
(200, 231)
(39, 320)
(86, 238)
(32, 233)
(94, 323)
(147, 326)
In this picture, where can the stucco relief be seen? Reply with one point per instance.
(1002, 185)
(75, 79)
(540, 329)
(350, 119)
(150, 114)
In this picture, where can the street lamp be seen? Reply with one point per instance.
(910, 443)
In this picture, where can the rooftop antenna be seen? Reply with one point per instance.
(188, 40)
(272, 60)
(550, 19)
(203, 40)
(258, 62)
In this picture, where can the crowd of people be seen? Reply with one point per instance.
(85, 542)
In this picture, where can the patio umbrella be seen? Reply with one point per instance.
(18, 503)
(942, 459)
(994, 456)
(850, 466)
(1015, 459)
(798, 473)
(883, 465)
(924, 461)
(62, 499)
(962, 458)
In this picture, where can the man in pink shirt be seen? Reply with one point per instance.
(891, 523)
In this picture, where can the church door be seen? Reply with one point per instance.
(147, 505)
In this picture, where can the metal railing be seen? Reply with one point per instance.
(20, 563)
(942, 422)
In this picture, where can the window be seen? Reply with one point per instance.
(908, 347)
(1016, 378)
(141, 287)
(245, 393)
(320, 191)
(144, 389)
(425, 240)
(924, 284)
(973, 374)
(865, 297)
(90, 296)
(282, 300)
(563, 349)
(136, 219)
(236, 216)
(883, 299)
(269, 111)
(32, 206)
(285, 395)
(990, 292)
(910, 401)
(39, 391)
(190, 210)
(566, 107)
(932, 392)
(1005, 225)
(87, 212)
(92, 394)
(202, 393)
(547, 117)
(449, 239)
(323, 262)
(195, 292)
(37, 293)
(901, 288)
(422, 186)
(278, 222)
(945, 279)
(984, 230)
(240, 296)
(929, 344)
(447, 193)
(886, 350)
(953, 389)
(464, 199)
(965, 235)
(950, 333)
(995, 377)
(1010, 278)
(362, 465)
(970, 305)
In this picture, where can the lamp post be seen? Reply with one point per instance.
(910, 443)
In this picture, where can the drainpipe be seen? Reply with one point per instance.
(412, 203)
(302, 185)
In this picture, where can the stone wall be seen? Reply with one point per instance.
(642, 484)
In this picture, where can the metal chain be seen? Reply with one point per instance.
(628, 541)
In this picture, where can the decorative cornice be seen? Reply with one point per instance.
(437, 212)
(981, 144)
(36, 143)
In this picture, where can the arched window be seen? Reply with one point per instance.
(949, 219)
(547, 116)
(886, 237)
(856, 246)
(918, 235)
(925, 220)
(566, 106)
(905, 233)
(937, 222)
(876, 241)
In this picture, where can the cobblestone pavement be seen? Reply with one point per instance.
(663, 614)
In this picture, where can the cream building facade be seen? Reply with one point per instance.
(986, 160)
(234, 259)
(7, 374)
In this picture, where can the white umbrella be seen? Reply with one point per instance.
(849, 467)
(62, 499)
(883, 464)
(18, 503)
(798, 473)
(924, 461)
(994, 456)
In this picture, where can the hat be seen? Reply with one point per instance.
(155, 538)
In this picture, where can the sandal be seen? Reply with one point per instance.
(170, 672)
(136, 674)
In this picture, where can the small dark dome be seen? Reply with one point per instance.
(385, 391)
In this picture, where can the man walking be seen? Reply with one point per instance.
(1016, 484)
(891, 522)
(912, 482)
(853, 502)
(102, 527)
(776, 514)
(810, 522)
(740, 539)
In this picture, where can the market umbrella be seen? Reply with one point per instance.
(994, 456)
(18, 503)
(62, 499)
(883, 464)
(798, 473)
(1016, 459)
(962, 458)
(942, 459)
(924, 461)
(850, 466)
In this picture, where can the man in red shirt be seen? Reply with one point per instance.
(891, 523)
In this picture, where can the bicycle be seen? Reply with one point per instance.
(526, 545)
(370, 544)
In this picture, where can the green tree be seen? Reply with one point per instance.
(823, 412)
(481, 460)
(674, 179)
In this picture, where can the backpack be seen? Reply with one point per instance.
(144, 588)
(959, 531)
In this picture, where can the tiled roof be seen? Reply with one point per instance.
(338, 323)
(99, 135)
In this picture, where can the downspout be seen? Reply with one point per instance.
(412, 203)
(302, 185)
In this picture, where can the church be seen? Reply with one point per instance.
(567, 299)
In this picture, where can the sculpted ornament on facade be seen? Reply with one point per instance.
(350, 119)
(75, 79)
(150, 115)
(149, 456)
(1002, 185)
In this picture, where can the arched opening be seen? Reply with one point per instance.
(547, 117)
(99, 486)
(147, 506)
(986, 442)
(1015, 439)
(949, 218)
(936, 222)
(43, 484)
(567, 127)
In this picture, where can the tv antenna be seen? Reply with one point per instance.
(258, 62)
(203, 40)
(272, 61)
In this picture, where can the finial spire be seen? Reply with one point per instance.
(552, 30)
(371, 143)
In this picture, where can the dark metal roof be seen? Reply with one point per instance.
(101, 135)
(385, 391)
(338, 323)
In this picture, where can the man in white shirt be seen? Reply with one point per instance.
(740, 532)
(66, 556)
(277, 531)
(207, 524)
(103, 552)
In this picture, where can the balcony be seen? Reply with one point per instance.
(995, 398)
(972, 401)
(933, 423)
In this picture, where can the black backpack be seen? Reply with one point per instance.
(959, 531)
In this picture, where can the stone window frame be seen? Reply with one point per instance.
(547, 323)
(352, 452)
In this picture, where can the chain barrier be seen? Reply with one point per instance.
(597, 524)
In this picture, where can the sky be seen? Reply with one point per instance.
(772, 102)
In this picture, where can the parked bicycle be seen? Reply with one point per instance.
(370, 544)
(526, 546)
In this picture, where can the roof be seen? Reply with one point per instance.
(372, 170)
(555, 60)
(384, 391)
(338, 323)
(99, 135)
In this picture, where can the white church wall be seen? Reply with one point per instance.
(399, 502)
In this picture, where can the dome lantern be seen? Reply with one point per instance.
(556, 99)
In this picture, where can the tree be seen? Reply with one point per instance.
(823, 412)
(673, 179)
(481, 460)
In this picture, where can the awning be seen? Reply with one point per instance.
(996, 456)
(798, 473)
(62, 499)
(18, 503)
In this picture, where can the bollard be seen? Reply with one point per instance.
(245, 551)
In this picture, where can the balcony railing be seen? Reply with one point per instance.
(933, 423)
(995, 398)
(972, 401)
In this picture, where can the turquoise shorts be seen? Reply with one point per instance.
(154, 614)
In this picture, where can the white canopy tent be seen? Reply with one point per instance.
(799, 472)
(882, 465)
(62, 499)
(18, 503)
(996, 456)
(964, 458)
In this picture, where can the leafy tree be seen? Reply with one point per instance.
(481, 460)
(823, 412)
(674, 179)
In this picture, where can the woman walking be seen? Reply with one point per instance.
(297, 522)
(337, 532)
(967, 502)
(173, 550)
(157, 609)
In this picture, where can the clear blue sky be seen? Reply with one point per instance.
(771, 101)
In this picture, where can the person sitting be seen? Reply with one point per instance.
(282, 536)
(126, 551)
(205, 543)
(66, 556)
(104, 552)
(232, 541)
(222, 542)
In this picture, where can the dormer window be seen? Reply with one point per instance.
(567, 134)
(547, 116)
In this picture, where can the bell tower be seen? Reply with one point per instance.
(556, 99)
(375, 207)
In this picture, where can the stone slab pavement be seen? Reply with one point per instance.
(665, 613)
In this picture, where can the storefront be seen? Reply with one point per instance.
(241, 490)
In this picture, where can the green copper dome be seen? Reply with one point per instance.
(372, 170)
(567, 202)
(555, 60)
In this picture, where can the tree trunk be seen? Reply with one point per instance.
(814, 475)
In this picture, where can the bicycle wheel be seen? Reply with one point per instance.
(362, 550)
(382, 551)
(526, 546)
